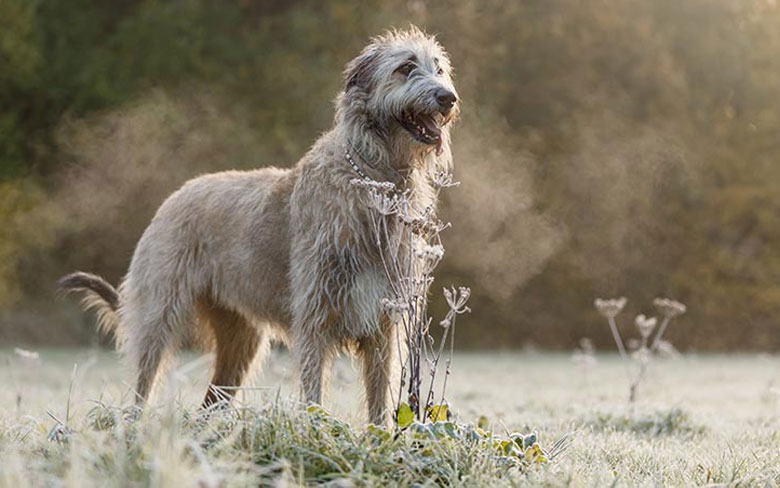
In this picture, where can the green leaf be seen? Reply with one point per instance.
(534, 454)
(451, 430)
(504, 446)
(422, 431)
(482, 422)
(438, 413)
(473, 435)
(517, 438)
(378, 433)
(444, 429)
(317, 410)
(529, 440)
(405, 416)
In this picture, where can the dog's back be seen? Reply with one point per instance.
(222, 236)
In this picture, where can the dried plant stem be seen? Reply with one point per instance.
(660, 334)
(434, 367)
(447, 370)
(637, 380)
(610, 308)
(618, 340)
(409, 248)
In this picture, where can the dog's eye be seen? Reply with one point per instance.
(405, 69)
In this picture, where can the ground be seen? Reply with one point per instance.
(699, 419)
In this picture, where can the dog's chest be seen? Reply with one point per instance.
(355, 296)
(357, 281)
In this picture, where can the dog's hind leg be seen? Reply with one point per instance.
(151, 358)
(238, 344)
(154, 342)
(154, 321)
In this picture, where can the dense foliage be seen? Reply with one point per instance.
(606, 148)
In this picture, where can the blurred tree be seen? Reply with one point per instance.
(618, 147)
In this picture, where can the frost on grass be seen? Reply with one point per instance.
(722, 432)
(654, 423)
(281, 444)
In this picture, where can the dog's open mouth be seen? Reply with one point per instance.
(424, 128)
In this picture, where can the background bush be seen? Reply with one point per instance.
(605, 148)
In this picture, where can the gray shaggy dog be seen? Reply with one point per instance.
(236, 259)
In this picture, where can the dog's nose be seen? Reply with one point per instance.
(445, 98)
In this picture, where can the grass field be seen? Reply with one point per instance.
(709, 419)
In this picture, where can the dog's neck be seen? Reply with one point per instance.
(372, 168)
(387, 154)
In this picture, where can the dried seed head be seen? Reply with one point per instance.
(669, 308)
(397, 306)
(457, 299)
(645, 325)
(426, 251)
(384, 203)
(611, 307)
(442, 179)
(430, 256)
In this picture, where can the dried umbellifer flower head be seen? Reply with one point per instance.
(645, 325)
(609, 308)
(669, 308)
(443, 179)
(457, 300)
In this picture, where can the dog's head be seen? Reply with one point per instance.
(403, 80)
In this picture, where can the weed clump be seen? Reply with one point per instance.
(672, 422)
(648, 345)
(407, 233)
(285, 443)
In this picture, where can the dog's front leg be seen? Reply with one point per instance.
(311, 354)
(378, 354)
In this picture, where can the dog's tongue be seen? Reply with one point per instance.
(433, 128)
(430, 124)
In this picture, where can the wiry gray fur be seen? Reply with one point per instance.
(234, 259)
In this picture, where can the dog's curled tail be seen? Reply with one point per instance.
(99, 296)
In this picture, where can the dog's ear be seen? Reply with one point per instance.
(358, 72)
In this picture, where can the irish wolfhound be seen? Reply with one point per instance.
(234, 259)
